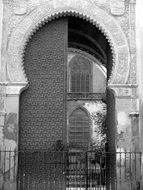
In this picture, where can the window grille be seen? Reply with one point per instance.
(79, 131)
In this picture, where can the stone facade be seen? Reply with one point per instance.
(115, 19)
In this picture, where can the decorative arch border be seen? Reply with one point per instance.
(54, 9)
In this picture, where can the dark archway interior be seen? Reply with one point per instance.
(86, 36)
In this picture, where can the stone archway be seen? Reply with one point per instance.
(86, 10)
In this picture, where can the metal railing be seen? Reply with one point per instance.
(42, 170)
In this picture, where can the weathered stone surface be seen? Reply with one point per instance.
(20, 7)
(2, 97)
(125, 90)
(117, 7)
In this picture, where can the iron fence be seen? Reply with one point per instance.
(71, 170)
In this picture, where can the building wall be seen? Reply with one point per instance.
(139, 41)
(129, 98)
(1, 22)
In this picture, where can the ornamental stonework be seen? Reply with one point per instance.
(127, 91)
(104, 4)
(117, 7)
(106, 23)
(123, 20)
(19, 8)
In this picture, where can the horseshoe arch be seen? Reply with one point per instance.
(87, 10)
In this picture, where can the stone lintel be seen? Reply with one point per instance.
(13, 88)
(125, 90)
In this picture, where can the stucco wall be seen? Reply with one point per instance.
(139, 41)
(1, 20)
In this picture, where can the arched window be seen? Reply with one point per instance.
(80, 74)
(79, 128)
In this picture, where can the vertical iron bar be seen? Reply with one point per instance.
(131, 169)
(38, 168)
(23, 174)
(10, 168)
(45, 169)
(4, 167)
(100, 171)
(140, 167)
(86, 161)
(1, 166)
(125, 164)
(116, 181)
(15, 165)
(105, 170)
(120, 170)
(135, 163)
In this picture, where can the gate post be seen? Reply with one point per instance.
(136, 161)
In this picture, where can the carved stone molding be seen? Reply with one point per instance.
(20, 7)
(132, 42)
(87, 10)
(125, 91)
(15, 89)
(117, 7)
(11, 88)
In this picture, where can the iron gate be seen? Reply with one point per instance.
(76, 170)
(60, 170)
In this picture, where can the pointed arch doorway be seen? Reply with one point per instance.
(43, 105)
